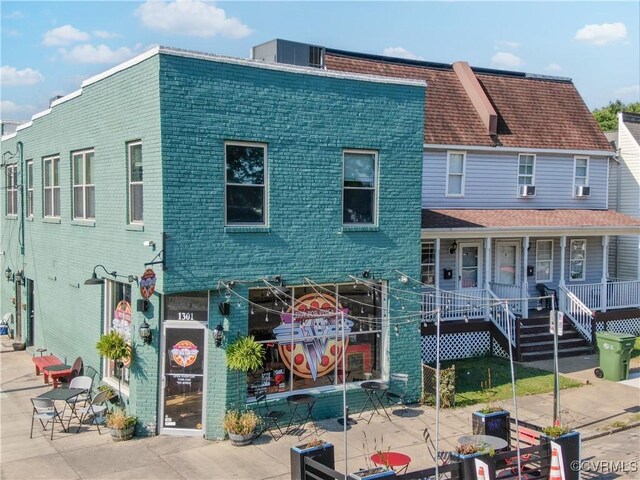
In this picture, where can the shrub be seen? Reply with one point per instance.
(240, 423)
(119, 420)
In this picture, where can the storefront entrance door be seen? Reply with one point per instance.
(183, 378)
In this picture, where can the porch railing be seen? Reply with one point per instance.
(579, 313)
(618, 294)
(506, 291)
(468, 303)
(502, 318)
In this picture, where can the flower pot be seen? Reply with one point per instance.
(372, 473)
(241, 440)
(495, 424)
(19, 346)
(570, 446)
(320, 453)
(122, 434)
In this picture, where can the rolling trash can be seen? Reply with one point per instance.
(615, 354)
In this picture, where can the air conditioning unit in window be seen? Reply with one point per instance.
(527, 190)
(583, 191)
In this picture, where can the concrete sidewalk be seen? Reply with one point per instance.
(88, 455)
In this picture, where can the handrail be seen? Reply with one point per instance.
(498, 315)
(507, 291)
(579, 314)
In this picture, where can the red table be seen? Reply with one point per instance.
(392, 459)
(55, 372)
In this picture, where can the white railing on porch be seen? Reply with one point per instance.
(579, 313)
(618, 294)
(468, 303)
(502, 318)
(506, 291)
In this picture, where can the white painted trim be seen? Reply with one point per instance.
(504, 232)
(584, 260)
(550, 279)
(478, 148)
(464, 174)
(518, 259)
(9, 136)
(41, 114)
(23, 126)
(130, 184)
(53, 187)
(480, 264)
(67, 97)
(83, 155)
(533, 174)
(376, 187)
(575, 166)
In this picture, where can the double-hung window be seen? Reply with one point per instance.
(359, 192)
(84, 190)
(455, 173)
(12, 190)
(134, 153)
(246, 187)
(526, 169)
(29, 209)
(428, 263)
(577, 260)
(544, 260)
(51, 187)
(580, 173)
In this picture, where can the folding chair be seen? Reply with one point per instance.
(95, 408)
(269, 417)
(397, 390)
(84, 383)
(45, 409)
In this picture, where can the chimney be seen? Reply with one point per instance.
(478, 97)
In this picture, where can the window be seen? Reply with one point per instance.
(428, 263)
(577, 259)
(134, 153)
(310, 355)
(51, 186)
(359, 187)
(526, 169)
(118, 317)
(84, 190)
(544, 260)
(455, 174)
(12, 189)
(29, 211)
(245, 165)
(580, 173)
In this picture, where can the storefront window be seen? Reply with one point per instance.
(301, 327)
(118, 315)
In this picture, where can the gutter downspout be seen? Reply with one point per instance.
(22, 195)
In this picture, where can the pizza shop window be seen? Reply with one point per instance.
(302, 337)
(118, 315)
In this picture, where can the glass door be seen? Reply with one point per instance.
(508, 263)
(184, 347)
(470, 265)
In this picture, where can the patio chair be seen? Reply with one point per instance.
(91, 372)
(269, 417)
(84, 383)
(76, 370)
(96, 407)
(545, 291)
(397, 390)
(443, 456)
(45, 410)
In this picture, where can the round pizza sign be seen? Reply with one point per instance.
(147, 283)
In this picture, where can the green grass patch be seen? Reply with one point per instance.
(472, 380)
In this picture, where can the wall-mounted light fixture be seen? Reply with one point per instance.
(403, 279)
(8, 274)
(218, 335)
(145, 332)
(366, 274)
(94, 280)
(529, 246)
(454, 247)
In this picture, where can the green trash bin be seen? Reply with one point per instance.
(615, 354)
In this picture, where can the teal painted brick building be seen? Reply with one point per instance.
(266, 188)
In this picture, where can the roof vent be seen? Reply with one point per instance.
(478, 97)
(53, 99)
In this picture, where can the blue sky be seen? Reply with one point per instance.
(49, 47)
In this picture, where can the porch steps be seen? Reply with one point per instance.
(536, 342)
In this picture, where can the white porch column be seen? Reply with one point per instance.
(525, 281)
(437, 272)
(605, 272)
(563, 247)
(487, 274)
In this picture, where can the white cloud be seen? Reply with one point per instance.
(190, 17)
(9, 109)
(64, 35)
(401, 52)
(553, 67)
(506, 44)
(630, 93)
(105, 34)
(15, 15)
(602, 34)
(506, 59)
(96, 54)
(12, 77)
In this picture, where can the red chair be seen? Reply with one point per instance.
(76, 371)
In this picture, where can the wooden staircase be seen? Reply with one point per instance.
(535, 342)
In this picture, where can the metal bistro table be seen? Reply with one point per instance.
(497, 443)
(301, 407)
(62, 394)
(374, 390)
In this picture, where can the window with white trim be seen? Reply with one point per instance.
(29, 205)
(118, 316)
(526, 169)
(84, 190)
(12, 190)
(577, 260)
(428, 263)
(134, 154)
(544, 260)
(455, 173)
(245, 183)
(580, 173)
(359, 192)
(51, 187)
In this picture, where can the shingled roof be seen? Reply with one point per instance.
(533, 112)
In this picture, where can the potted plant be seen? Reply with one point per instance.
(240, 426)
(121, 425)
(113, 346)
(466, 454)
(319, 450)
(112, 396)
(491, 420)
(569, 442)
